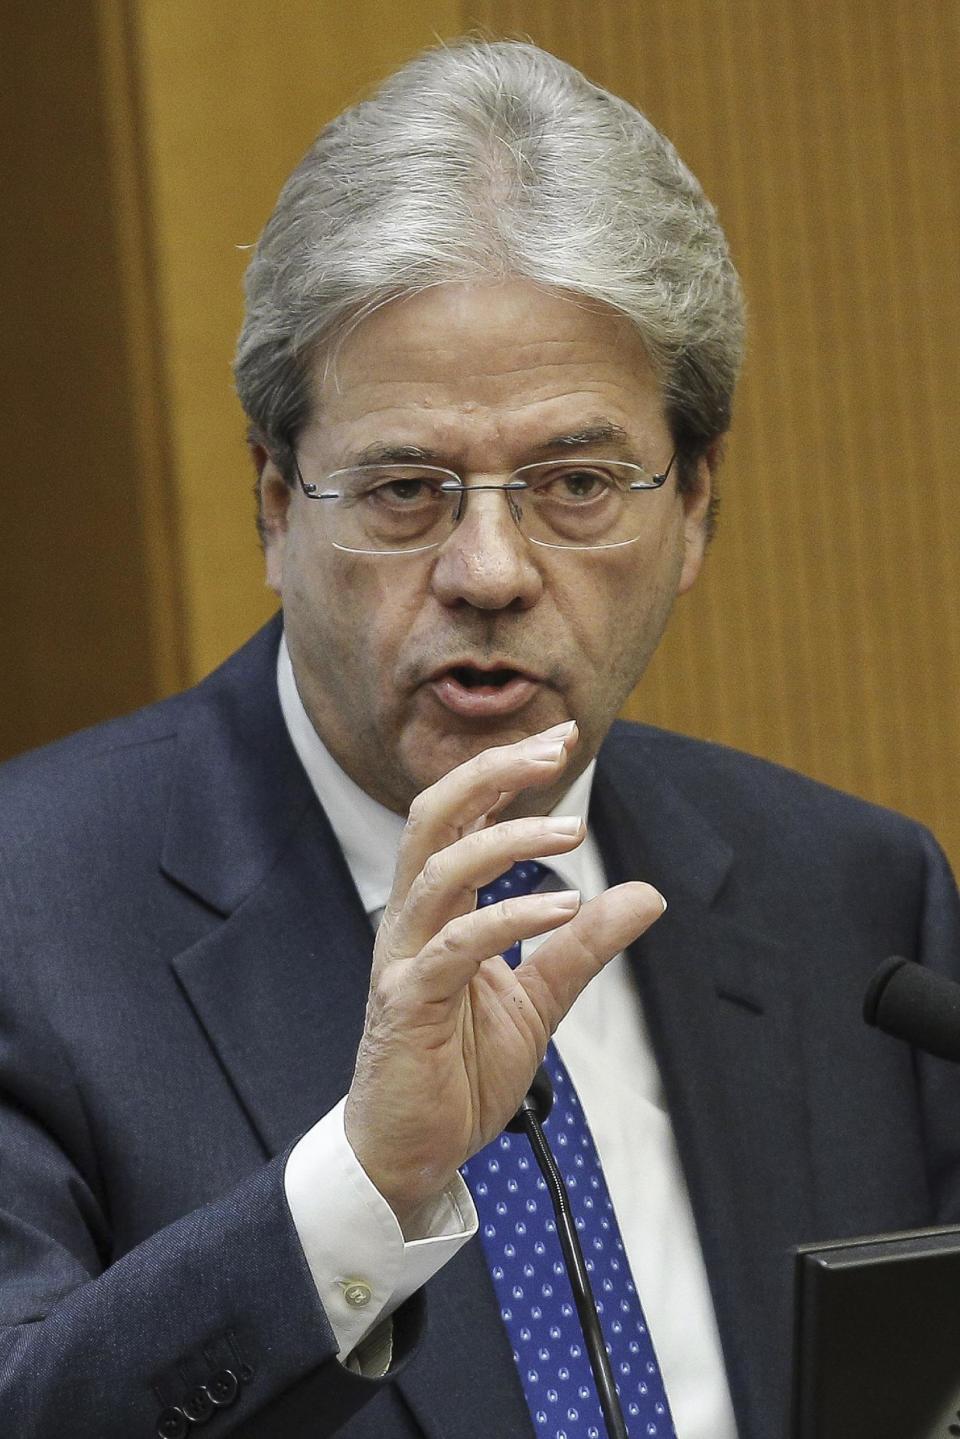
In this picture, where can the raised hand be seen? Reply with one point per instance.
(453, 1036)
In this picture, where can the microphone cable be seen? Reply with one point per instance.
(528, 1120)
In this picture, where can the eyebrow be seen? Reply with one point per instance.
(377, 454)
(602, 432)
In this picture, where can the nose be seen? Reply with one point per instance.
(486, 562)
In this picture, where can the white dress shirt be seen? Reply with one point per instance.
(362, 1264)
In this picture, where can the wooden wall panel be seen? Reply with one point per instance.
(86, 627)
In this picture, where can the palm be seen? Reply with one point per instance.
(499, 1037)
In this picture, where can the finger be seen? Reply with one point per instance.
(441, 971)
(440, 815)
(565, 963)
(448, 883)
(485, 820)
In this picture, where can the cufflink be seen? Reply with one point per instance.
(356, 1292)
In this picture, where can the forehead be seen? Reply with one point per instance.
(495, 368)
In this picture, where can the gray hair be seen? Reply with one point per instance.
(477, 162)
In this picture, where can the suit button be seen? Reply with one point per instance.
(172, 1424)
(223, 1388)
(198, 1406)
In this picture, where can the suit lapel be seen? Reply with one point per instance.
(279, 986)
(717, 992)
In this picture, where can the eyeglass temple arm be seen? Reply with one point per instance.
(662, 479)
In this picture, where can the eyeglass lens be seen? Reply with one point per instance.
(409, 507)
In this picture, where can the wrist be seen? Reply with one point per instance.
(413, 1188)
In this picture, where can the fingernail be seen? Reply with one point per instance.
(559, 730)
(562, 899)
(564, 823)
(663, 902)
(539, 747)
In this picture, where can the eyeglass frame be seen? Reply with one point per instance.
(455, 486)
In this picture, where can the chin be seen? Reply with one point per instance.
(428, 757)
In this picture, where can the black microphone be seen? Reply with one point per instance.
(911, 1002)
(538, 1101)
(528, 1120)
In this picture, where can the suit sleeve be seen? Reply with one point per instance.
(214, 1319)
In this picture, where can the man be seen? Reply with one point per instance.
(491, 341)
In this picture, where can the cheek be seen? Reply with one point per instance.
(617, 594)
(616, 614)
(355, 612)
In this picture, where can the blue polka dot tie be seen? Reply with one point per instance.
(519, 1238)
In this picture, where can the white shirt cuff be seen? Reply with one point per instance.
(362, 1264)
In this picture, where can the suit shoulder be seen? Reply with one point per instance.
(143, 727)
(136, 741)
(110, 784)
(741, 790)
(70, 785)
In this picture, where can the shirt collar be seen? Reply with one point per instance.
(369, 834)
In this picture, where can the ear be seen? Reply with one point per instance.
(273, 496)
(696, 516)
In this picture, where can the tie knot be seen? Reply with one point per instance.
(522, 878)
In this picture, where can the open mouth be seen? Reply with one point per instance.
(471, 678)
(473, 693)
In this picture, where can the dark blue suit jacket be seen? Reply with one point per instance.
(183, 967)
